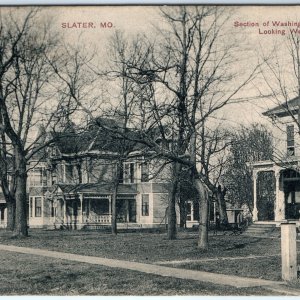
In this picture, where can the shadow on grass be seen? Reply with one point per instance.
(243, 245)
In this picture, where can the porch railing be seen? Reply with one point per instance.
(101, 219)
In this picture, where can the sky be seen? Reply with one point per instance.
(91, 26)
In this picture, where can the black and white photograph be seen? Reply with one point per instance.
(150, 150)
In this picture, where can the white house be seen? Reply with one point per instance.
(286, 163)
(74, 185)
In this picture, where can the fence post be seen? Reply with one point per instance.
(288, 251)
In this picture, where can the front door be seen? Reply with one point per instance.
(292, 201)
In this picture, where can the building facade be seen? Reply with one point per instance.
(74, 184)
(284, 167)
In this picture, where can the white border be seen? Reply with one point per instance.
(148, 2)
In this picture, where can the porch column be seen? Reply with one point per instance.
(277, 216)
(65, 211)
(81, 206)
(109, 205)
(255, 211)
(109, 208)
(215, 211)
(43, 206)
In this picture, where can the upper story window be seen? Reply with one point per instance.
(53, 151)
(127, 173)
(38, 177)
(73, 172)
(290, 140)
(144, 172)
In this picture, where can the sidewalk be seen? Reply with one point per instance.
(234, 281)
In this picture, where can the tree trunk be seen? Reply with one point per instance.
(11, 212)
(222, 205)
(21, 228)
(182, 211)
(172, 232)
(203, 215)
(172, 214)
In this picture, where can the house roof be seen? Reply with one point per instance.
(96, 138)
(284, 109)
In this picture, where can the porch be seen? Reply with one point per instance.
(282, 200)
(76, 206)
(78, 211)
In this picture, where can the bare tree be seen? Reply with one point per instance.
(281, 77)
(24, 101)
(190, 65)
(187, 75)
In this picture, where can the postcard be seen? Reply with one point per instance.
(149, 150)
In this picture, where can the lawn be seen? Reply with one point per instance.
(22, 274)
(143, 247)
(36, 275)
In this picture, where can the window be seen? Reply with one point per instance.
(54, 177)
(69, 173)
(38, 206)
(127, 173)
(290, 140)
(53, 151)
(145, 205)
(30, 206)
(2, 214)
(53, 209)
(144, 172)
(38, 177)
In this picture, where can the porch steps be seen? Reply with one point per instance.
(263, 230)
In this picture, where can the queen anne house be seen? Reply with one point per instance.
(72, 183)
(285, 166)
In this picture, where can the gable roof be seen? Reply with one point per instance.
(284, 109)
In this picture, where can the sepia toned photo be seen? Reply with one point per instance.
(150, 150)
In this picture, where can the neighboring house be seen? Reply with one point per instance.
(285, 166)
(73, 185)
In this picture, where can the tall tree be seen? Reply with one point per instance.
(24, 100)
(189, 65)
(280, 75)
(189, 72)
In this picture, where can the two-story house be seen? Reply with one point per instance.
(285, 166)
(74, 185)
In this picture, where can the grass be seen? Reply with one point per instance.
(143, 247)
(22, 274)
(26, 274)
(265, 268)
